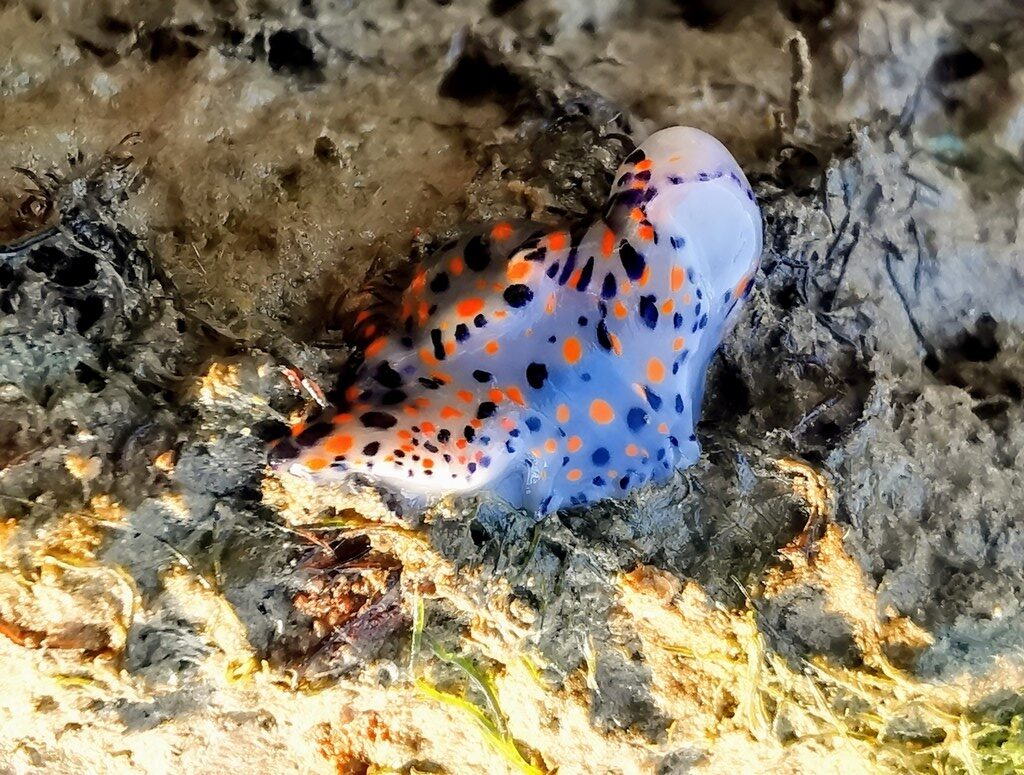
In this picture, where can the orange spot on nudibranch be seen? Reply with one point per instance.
(518, 271)
(467, 308)
(632, 450)
(418, 281)
(620, 310)
(601, 411)
(516, 396)
(607, 243)
(456, 265)
(427, 427)
(549, 308)
(338, 444)
(501, 231)
(677, 277)
(374, 347)
(637, 214)
(492, 347)
(678, 343)
(557, 241)
(571, 350)
(551, 445)
(465, 395)
(643, 164)
(298, 428)
(496, 396)
(574, 444)
(740, 286)
(655, 370)
(574, 475)
(668, 306)
(562, 413)
(616, 344)
(646, 233)
(450, 412)
(315, 463)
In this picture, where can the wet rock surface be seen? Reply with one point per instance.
(197, 192)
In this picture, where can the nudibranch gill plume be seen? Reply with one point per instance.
(553, 367)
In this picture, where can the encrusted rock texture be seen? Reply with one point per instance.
(192, 194)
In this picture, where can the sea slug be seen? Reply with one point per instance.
(553, 367)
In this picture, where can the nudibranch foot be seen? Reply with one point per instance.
(553, 367)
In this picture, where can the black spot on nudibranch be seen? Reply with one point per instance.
(482, 376)
(392, 397)
(636, 419)
(485, 410)
(609, 286)
(632, 261)
(387, 376)
(476, 254)
(313, 434)
(381, 420)
(461, 332)
(585, 274)
(435, 337)
(371, 449)
(648, 311)
(600, 456)
(536, 375)
(518, 295)
(652, 398)
(440, 283)
(570, 265)
(602, 336)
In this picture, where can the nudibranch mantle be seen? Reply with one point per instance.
(554, 367)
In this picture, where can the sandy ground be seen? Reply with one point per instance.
(202, 187)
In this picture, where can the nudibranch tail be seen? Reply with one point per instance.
(555, 367)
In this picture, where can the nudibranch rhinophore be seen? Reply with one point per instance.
(554, 367)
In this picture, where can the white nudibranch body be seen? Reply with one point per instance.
(553, 367)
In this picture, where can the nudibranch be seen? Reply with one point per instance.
(553, 367)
